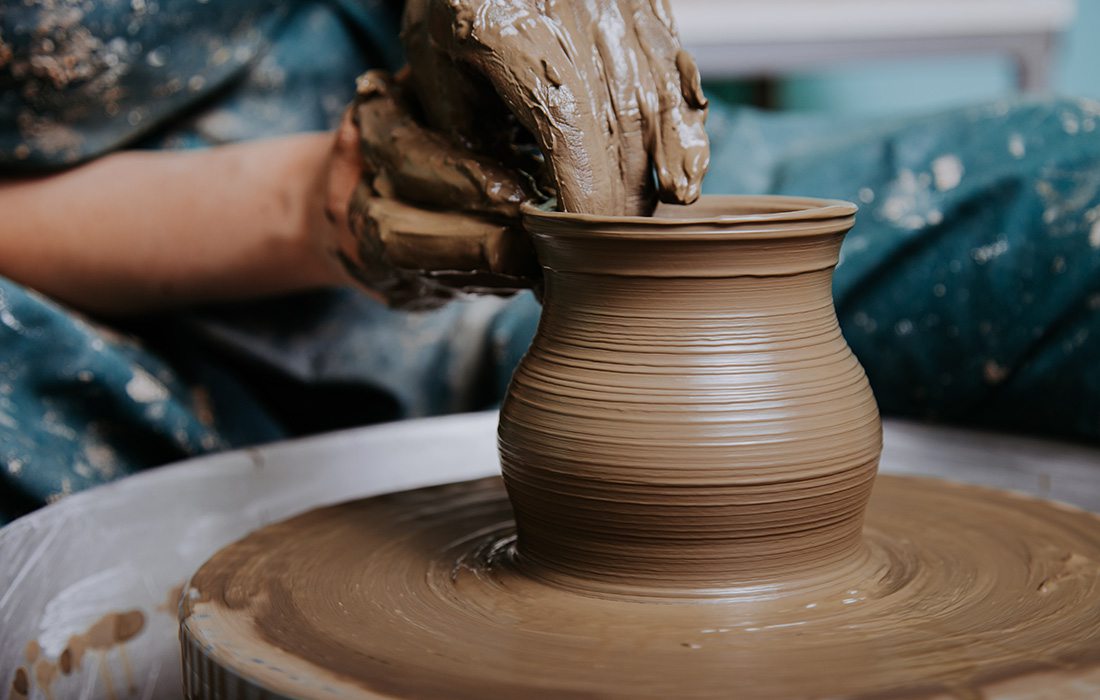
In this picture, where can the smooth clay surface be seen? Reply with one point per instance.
(957, 592)
(688, 413)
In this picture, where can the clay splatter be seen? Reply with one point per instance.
(108, 635)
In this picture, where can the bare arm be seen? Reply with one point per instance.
(138, 231)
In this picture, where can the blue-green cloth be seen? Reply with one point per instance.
(78, 80)
(969, 288)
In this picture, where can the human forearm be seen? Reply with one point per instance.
(137, 231)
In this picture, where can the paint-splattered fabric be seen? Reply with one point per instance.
(80, 79)
(970, 287)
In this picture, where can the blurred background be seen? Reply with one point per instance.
(881, 57)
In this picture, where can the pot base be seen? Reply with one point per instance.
(960, 591)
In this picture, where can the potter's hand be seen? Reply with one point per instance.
(604, 86)
(427, 218)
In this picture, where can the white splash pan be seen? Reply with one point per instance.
(127, 545)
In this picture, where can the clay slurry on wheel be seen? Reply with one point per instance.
(962, 592)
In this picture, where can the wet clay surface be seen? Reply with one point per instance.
(604, 88)
(420, 594)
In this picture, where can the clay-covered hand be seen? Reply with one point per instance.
(428, 219)
(604, 86)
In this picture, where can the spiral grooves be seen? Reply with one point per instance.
(961, 592)
(703, 427)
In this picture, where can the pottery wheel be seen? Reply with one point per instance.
(959, 592)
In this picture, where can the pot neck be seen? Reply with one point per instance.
(716, 302)
(718, 237)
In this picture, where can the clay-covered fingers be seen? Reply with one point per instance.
(675, 114)
(364, 260)
(452, 242)
(601, 37)
(409, 161)
(655, 104)
(532, 66)
(420, 258)
(537, 78)
(605, 88)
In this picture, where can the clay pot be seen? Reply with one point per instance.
(689, 419)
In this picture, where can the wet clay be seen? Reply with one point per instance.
(604, 88)
(958, 592)
(507, 102)
(688, 450)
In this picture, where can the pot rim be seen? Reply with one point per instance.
(813, 213)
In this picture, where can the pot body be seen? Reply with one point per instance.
(689, 419)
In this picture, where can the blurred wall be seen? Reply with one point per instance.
(921, 84)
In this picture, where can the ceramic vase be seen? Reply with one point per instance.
(689, 419)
